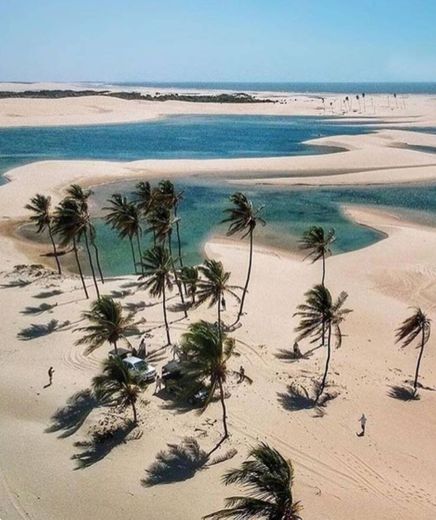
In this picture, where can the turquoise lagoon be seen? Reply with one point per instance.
(288, 211)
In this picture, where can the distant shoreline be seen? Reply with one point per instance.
(240, 97)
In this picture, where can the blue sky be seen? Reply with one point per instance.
(218, 40)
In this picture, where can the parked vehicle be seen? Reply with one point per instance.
(172, 371)
(146, 371)
(199, 398)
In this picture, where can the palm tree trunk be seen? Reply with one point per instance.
(220, 326)
(133, 254)
(164, 305)
(91, 264)
(223, 404)
(421, 352)
(179, 287)
(135, 414)
(97, 258)
(139, 251)
(179, 242)
(179, 245)
(250, 263)
(226, 433)
(323, 269)
(326, 369)
(322, 283)
(80, 268)
(54, 249)
(115, 347)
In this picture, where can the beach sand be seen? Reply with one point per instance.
(388, 474)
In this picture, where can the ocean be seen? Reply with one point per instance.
(291, 87)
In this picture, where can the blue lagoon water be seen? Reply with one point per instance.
(288, 211)
(176, 137)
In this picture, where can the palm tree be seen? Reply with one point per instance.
(243, 218)
(189, 276)
(107, 323)
(319, 314)
(214, 285)
(161, 223)
(69, 232)
(206, 351)
(418, 324)
(124, 217)
(156, 264)
(358, 101)
(318, 242)
(143, 198)
(268, 478)
(81, 196)
(71, 224)
(118, 384)
(168, 196)
(40, 206)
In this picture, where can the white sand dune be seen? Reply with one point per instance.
(387, 475)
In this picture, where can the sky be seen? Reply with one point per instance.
(218, 40)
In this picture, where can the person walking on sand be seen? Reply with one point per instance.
(362, 421)
(142, 350)
(50, 376)
(158, 387)
(241, 374)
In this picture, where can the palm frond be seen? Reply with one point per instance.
(417, 323)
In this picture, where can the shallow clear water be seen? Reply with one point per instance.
(288, 211)
(190, 137)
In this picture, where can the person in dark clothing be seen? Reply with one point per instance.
(50, 376)
(362, 421)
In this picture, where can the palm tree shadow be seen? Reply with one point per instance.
(36, 330)
(134, 307)
(403, 393)
(44, 307)
(178, 307)
(175, 402)
(297, 398)
(162, 325)
(71, 417)
(156, 356)
(15, 283)
(48, 294)
(289, 355)
(180, 462)
(120, 294)
(101, 444)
